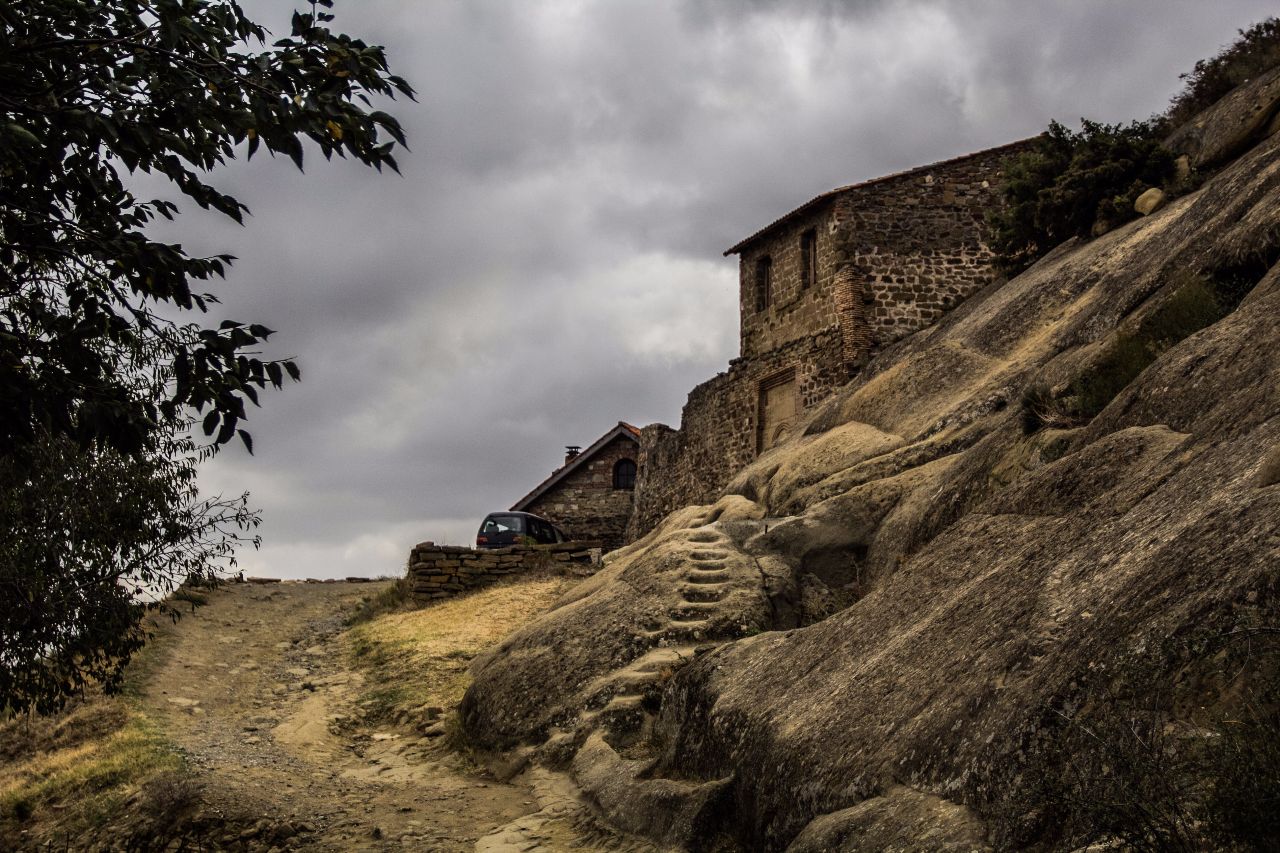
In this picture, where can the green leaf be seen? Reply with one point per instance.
(24, 135)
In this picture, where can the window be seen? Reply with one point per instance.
(764, 283)
(809, 258)
(543, 533)
(495, 524)
(624, 474)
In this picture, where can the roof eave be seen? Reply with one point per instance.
(787, 218)
(623, 429)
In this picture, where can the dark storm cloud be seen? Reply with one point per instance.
(549, 263)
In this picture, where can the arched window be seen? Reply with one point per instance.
(624, 474)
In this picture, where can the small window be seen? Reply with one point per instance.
(764, 283)
(809, 258)
(624, 474)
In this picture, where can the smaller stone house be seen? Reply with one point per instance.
(591, 495)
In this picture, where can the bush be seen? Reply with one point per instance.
(1255, 52)
(1069, 181)
(169, 796)
(1233, 281)
(189, 596)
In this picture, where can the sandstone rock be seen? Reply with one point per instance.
(901, 819)
(675, 813)
(1182, 168)
(988, 575)
(1230, 126)
(1150, 201)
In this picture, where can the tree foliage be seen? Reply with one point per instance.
(104, 375)
(93, 540)
(1068, 182)
(89, 91)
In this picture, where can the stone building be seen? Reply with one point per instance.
(821, 290)
(590, 495)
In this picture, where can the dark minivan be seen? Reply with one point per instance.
(502, 529)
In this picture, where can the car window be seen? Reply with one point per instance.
(497, 524)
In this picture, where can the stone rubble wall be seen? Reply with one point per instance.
(915, 244)
(718, 427)
(893, 255)
(585, 503)
(443, 571)
(799, 308)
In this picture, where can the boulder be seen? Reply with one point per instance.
(900, 820)
(1150, 201)
(679, 815)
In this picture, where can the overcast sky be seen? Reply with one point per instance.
(549, 263)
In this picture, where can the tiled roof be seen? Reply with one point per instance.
(829, 194)
(623, 429)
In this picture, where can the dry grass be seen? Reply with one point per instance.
(420, 658)
(71, 772)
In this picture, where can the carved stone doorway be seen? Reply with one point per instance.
(778, 409)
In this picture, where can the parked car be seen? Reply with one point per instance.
(503, 529)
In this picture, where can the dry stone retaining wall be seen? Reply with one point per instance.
(443, 571)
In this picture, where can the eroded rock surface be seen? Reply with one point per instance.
(863, 638)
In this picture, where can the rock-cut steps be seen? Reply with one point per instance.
(632, 681)
(707, 580)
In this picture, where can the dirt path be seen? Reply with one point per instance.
(256, 690)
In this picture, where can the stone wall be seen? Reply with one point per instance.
(798, 309)
(718, 427)
(585, 503)
(915, 243)
(443, 571)
(911, 245)
(893, 254)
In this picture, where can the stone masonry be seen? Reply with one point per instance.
(581, 496)
(443, 571)
(908, 246)
(821, 290)
(718, 434)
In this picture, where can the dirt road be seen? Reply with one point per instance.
(257, 691)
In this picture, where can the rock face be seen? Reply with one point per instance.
(860, 645)
(1231, 125)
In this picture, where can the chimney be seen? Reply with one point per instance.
(571, 452)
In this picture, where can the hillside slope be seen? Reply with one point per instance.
(884, 631)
